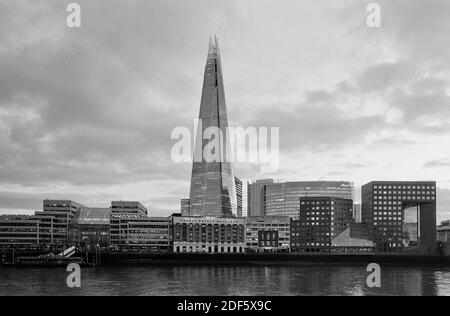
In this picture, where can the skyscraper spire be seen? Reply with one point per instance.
(211, 43)
(213, 191)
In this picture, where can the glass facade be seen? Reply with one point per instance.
(256, 197)
(213, 191)
(90, 228)
(283, 199)
(239, 197)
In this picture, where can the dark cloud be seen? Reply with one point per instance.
(437, 163)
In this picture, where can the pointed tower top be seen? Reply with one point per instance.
(211, 42)
(217, 42)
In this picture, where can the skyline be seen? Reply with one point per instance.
(84, 114)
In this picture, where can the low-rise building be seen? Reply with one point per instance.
(208, 235)
(134, 232)
(267, 234)
(357, 238)
(443, 232)
(19, 231)
(57, 216)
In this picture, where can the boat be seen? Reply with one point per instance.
(63, 259)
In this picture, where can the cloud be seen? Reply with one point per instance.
(91, 110)
(437, 163)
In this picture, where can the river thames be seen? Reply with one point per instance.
(226, 280)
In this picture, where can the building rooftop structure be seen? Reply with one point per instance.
(93, 216)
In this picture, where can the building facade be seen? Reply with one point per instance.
(213, 190)
(56, 218)
(357, 213)
(90, 228)
(185, 207)
(19, 231)
(443, 232)
(256, 197)
(239, 197)
(128, 207)
(267, 234)
(208, 235)
(321, 220)
(282, 199)
(134, 232)
(402, 214)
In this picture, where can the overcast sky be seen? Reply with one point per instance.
(86, 114)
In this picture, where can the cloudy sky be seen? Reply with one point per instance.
(86, 114)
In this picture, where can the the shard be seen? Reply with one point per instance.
(213, 191)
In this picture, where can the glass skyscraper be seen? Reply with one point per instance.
(213, 191)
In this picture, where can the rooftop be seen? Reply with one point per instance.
(92, 216)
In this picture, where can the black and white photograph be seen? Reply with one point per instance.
(224, 154)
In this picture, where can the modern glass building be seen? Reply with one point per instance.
(256, 199)
(185, 207)
(90, 228)
(283, 199)
(213, 191)
(239, 197)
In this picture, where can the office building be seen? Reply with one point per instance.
(321, 220)
(443, 232)
(56, 218)
(403, 215)
(134, 232)
(256, 197)
(90, 228)
(128, 207)
(239, 196)
(19, 231)
(267, 234)
(213, 191)
(208, 235)
(282, 199)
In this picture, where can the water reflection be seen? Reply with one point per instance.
(227, 280)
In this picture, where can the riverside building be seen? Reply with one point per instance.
(267, 234)
(402, 214)
(322, 219)
(208, 235)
